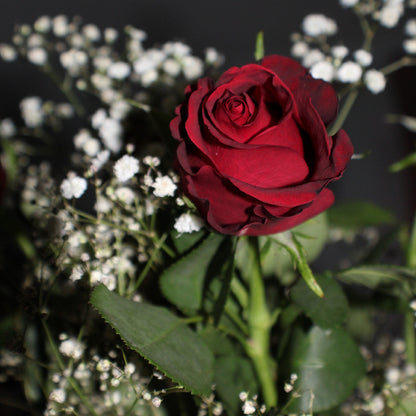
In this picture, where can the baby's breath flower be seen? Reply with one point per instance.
(409, 45)
(73, 348)
(249, 407)
(129, 369)
(171, 67)
(64, 110)
(299, 49)
(163, 186)
(149, 77)
(363, 57)
(312, 57)
(390, 14)
(43, 24)
(73, 61)
(188, 223)
(118, 70)
(110, 132)
(348, 3)
(7, 128)
(176, 49)
(318, 24)
(339, 52)
(119, 109)
(100, 160)
(323, 70)
(76, 273)
(7, 53)
(60, 26)
(125, 168)
(58, 396)
(157, 401)
(91, 32)
(410, 27)
(192, 67)
(32, 112)
(375, 81)
(37, 56)
(349, 72)
(110, 35)
(73, 187)
(213, 57)
(151, 161)
(125, 195)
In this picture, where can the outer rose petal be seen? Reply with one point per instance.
(278, 224)
(303, 86)
(225, 208)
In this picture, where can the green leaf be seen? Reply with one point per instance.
(259, 52)
(233, 374)
(275, 260)
(328, 364)
(393, 280)
(184, 242)
(355, 215)
(160, 337)
(297, 252)
(183, 282)
(409, 160)
(327, 312)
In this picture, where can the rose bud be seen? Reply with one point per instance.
(254, 154)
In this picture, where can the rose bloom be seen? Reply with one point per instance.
(254, 154)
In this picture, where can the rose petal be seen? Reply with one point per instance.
(323, 201)
(265, 166)
(303, 86)
(225, 208)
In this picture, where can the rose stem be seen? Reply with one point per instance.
(409, 315)
(260, 323)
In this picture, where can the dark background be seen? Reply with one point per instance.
(231, 26)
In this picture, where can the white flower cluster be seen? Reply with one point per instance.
(334, 62)
(409, 44)
(85, 52)
(390, 13)
(121, 389)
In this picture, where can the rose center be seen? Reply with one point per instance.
(237, 110)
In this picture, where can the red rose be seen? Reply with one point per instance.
(254, 154)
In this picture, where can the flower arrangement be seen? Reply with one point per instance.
(159, 229)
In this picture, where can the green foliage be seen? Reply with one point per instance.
(327, 312)
(328, 364)
(360, 214)
(183, 282)
(276, 260)
(259, 51)
(394, 280)
(160, 337)
(233, 373)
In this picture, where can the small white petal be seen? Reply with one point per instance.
(73, 187)
(349, 72)
(125, 168)
(375, 81)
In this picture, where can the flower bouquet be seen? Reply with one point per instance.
(160, 226)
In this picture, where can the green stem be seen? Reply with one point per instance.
(409, 336)
(345, 110)
(403, 62)
(260, 323)
(66, 90)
